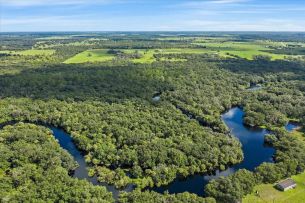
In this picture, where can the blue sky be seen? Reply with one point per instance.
(152, 15)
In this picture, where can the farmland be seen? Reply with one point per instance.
(206, 46)
(150, 112)
(146, 56)
(91, 56)
(242, 50)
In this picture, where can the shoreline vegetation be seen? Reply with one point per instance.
(108, 109)
(112, 190)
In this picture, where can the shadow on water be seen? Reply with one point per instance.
(255, 153)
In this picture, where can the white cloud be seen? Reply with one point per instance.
(227, 1)
(209, 15)
(54, 23)
(90, 22)
(245, 25)
(203, 4)
(23, 3)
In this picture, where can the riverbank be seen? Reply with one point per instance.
(255, 153)
(252, 139)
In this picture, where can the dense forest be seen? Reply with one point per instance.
(125, 135)
(35, 169)
(153, 144)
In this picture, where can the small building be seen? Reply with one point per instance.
(286, 184)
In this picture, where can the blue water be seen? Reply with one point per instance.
(66, 142)
(255, 153)
(291, 127)
(252, 140)
(81, 171)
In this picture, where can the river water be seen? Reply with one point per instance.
(254, 149)
(252, 139)
(81, 172)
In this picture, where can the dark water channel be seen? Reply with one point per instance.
(252, 139)
(254, 149)
(81, 172)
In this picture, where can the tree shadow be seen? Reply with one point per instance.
(81, 83)
(262, 67)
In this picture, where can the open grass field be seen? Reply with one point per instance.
(244, 49)
(268, 194)
(31, 52)
(224, 49)
(101, 55)
(148, 55)
(298, 134)
(195, 38)
(98, 55)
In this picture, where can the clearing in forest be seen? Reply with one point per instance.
(268, 194)
(98, 55)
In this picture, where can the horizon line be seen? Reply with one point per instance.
(134, 31)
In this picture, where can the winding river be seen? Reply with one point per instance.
(252, 139)
(254, 149)
(81, 172)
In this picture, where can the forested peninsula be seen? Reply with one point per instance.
(99, 88)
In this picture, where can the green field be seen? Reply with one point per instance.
(148, 55)
(145, 109)
(98, 55)
(195, 38)
(268, 194)
(244, 49)
(224, 50)
(31, 52)
(101, 55)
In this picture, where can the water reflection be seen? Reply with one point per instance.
(81, 172)
(254, 149)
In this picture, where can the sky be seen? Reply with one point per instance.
(152, 15)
